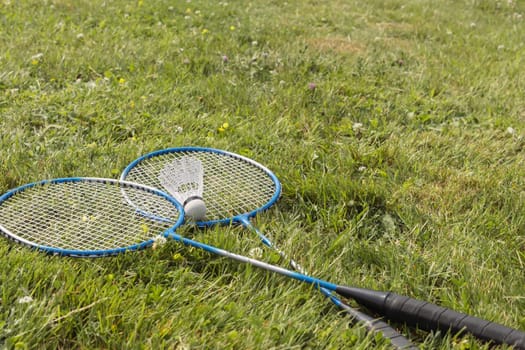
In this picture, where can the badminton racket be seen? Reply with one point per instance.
(236, 188)
(425, 315)
(56, 207)
(87, 216)
(223, 188)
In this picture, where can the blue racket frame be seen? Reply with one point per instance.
(240, 218)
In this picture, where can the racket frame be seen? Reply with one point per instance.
(372, 324)
(226, 221)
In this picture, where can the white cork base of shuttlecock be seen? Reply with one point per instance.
(195, 210)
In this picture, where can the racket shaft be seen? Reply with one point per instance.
(426, 315)
(374, 325)
(429, 316)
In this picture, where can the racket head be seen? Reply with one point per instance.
(87, 217)
(235, 187)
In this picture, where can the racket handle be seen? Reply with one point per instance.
(429, 316)
(378, 326)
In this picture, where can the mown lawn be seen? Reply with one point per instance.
(396, 129)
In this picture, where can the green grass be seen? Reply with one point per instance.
(395, 128)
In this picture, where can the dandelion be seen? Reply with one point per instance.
(232, 28)
(179, 129)
(511, 130)
(205, 31)
(35, 59)
(121, 81)
(223, 127)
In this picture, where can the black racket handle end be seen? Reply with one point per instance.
(428, 316)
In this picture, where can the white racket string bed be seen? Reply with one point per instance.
(234, 189)
(87, 216)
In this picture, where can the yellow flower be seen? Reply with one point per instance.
(205, 31)
(34, 62)
(232, 28)
(121, 81)
(223, 127)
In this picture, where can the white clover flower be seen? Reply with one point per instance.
(91, 84)
(25, 300)
(37, 56)
(158, 241)
(256, 253)
(357, 127)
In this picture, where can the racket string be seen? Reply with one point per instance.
(232, 186)
(85, 216)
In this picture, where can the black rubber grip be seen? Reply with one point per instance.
(429, 316)
(397, 340)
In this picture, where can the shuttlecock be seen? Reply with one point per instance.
(183, 178)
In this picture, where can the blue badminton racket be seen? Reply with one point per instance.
(96, 217)
(87, 217)
(219, 187)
